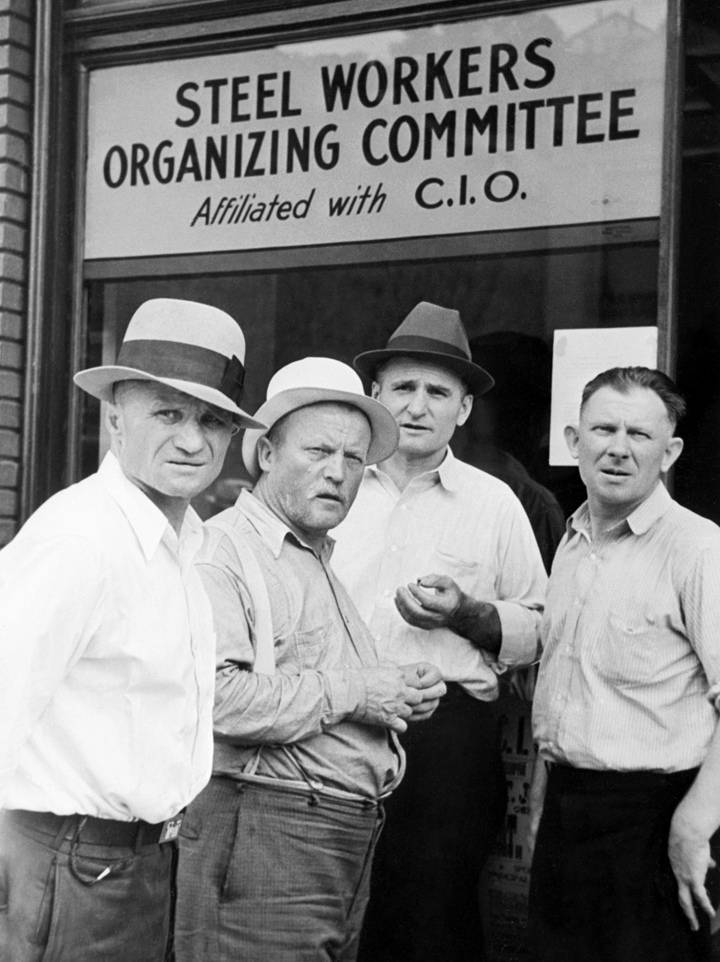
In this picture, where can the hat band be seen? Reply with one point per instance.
(186, 362)
(415, 342)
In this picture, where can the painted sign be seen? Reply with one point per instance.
(550, 117)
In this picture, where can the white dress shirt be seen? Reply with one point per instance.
(458, 521)
(107, 657)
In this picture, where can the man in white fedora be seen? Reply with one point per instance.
(441, 561)
(275, 854)
(108, 653)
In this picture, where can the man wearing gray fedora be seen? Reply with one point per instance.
(275, 854)
(107, 650)
(442, 564)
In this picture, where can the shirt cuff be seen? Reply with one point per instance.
(520, 634)
(345, 696)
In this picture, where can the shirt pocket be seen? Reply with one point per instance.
(626, 653)
(311, 646)
(469, 573)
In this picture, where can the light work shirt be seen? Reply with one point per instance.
(107, 655)
(632, 642)
(458, 521)
(297, 725)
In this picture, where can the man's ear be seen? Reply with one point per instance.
(465, 409)
(264, 452)
(375, 390)
(672, 453)
(572, 436)
(113, 419)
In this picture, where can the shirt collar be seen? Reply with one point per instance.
(448, 472)
(272, 530)
(146, 519)
(641, 519)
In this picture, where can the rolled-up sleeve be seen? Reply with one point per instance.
(520, 586)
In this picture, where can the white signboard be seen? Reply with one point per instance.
(578, 357)
(550, 117)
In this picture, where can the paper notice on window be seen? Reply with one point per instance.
(580, 355)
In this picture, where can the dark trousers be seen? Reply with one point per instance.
(602, 889)
(440, 827)
(57, 906)
(272, 875)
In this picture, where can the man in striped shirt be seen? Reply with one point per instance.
(627, 788)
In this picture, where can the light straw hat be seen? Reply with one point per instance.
(194, 348)
(316, 380)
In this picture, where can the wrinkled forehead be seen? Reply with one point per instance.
(326, 416)
(152, 393)
(639, 405)
(417, 369)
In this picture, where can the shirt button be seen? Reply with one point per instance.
(386, 593)
(403, 507)
(577, 601)
(394, 547)
(378, 637)
(593, 557)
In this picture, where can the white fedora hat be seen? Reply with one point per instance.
(194, 348)
(318, 380)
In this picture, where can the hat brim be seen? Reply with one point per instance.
(477, 378)
(384, 430)
(99, 381)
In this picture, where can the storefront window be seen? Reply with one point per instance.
(509, 167)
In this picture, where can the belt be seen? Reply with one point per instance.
(94, 831)
(569, 778)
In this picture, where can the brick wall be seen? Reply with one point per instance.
(16, 64)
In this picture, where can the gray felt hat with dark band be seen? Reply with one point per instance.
(191, 347)
(434, 334)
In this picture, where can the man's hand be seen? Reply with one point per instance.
(428, 680)
(690, 858)
(390, 698)
(429, 603)
(435, 601)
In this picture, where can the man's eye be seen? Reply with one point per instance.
(214, 423)
(168, 415)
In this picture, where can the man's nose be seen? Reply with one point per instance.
(619, 445)
(334, 469)
(189, 435)
(417, 403)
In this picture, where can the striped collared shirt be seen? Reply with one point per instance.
(631, 642)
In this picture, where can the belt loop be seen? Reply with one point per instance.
(63, 830)
(139, 837)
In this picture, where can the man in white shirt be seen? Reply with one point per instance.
(442, 564)
(107, 648)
